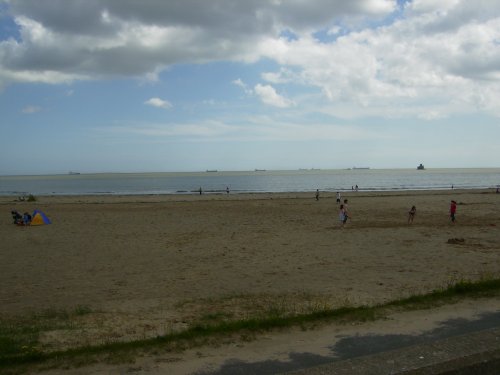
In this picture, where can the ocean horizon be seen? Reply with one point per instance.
(213, 181)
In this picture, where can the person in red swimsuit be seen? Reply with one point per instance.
(453, 210)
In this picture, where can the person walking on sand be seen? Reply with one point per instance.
(411, 214)
(338, 197)
(342, 216)
(453, 210)
(317, 194)
(347, 214)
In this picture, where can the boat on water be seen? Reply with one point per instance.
(420, 167)
(73, 173)
(360, 167)
(211, 170)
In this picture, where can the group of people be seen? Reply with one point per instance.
(343, 210)
(453, 211)
(344, 213)
(24, 219)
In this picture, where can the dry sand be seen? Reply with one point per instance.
(147, 265)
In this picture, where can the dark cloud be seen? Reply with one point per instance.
(224, 16)
(73, 17)
(111, 37)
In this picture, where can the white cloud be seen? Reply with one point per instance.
(269, 96)
(207, 130)
(429, 6)
(254, 128)
(402, 66)
(159, 103)
(238, 82)
(31, 109)
(7, 76)
(284, 75)
(334, 30)
(444, 53)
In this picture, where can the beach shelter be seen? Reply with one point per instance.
(39, 218)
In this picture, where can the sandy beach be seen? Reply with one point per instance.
(149, 265)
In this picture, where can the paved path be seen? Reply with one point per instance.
(469, 345)
(473, 353)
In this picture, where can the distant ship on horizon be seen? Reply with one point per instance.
(353, 168)
(420, 167)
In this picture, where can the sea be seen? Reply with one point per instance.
(258, 181)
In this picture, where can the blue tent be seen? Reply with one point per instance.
(39, 218)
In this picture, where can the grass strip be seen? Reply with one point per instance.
(453, 292)
(196, 333)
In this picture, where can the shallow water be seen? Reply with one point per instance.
(251, 181)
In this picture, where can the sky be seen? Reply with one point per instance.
(191, 85)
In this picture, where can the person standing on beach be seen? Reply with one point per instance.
(317, 194)
(338, 197)
(342, 216)
(453, 210)
(347, 214)
(411, 214)
(227, 189)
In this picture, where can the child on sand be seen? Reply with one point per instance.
(26, 218)
(411, 214)
(342, 216)
(17, 217)
(453, 210)
(344, 212)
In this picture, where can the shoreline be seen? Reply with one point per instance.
(153, 197)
